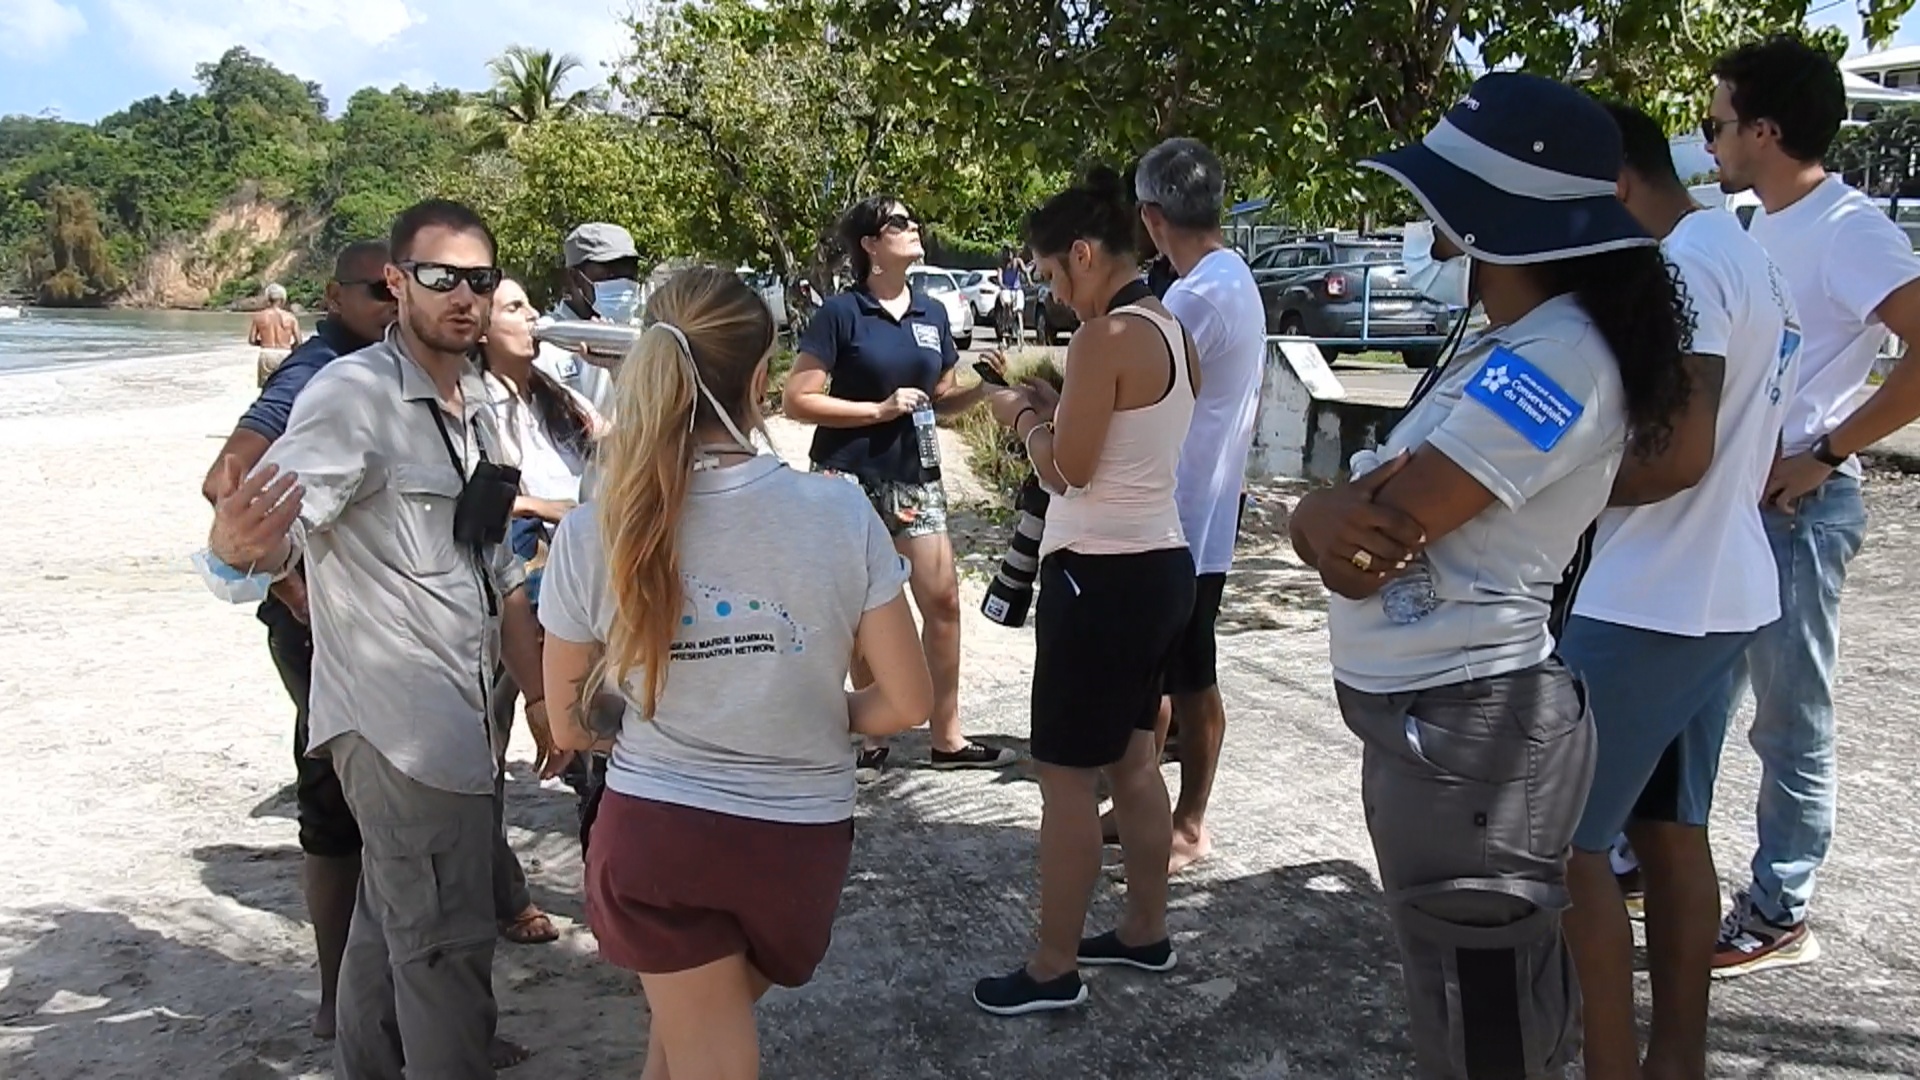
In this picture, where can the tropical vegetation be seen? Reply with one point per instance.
(737, 129)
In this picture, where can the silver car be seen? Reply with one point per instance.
(943, 287)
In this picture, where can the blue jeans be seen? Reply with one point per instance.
(1791, 665)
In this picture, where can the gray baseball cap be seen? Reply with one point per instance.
(599, 242)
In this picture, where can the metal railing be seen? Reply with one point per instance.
(1366, 340)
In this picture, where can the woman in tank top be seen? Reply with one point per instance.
(1116, 587)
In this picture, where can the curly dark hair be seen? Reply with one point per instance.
(1786, 80)
(1638, 302)
(1097, 209)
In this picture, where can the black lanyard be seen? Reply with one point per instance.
(446, 440)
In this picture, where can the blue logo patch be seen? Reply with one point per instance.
(1523, 396)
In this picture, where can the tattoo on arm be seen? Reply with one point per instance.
(600, 723)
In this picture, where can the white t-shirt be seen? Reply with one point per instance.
(548, 468)
(1699, 562)
(753, 721)
(1219, 305)
(1841, 257)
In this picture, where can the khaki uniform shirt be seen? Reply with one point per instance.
(406, 620)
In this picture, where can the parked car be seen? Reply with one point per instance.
(771, 289)
(983, 289)
(1049, 317)
(1353, 290)
(943, 287)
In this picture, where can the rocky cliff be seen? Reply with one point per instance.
(249, 239)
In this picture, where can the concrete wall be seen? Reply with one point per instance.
(1307, 427)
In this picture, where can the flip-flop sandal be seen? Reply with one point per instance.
(502, 1054)
(531, 927)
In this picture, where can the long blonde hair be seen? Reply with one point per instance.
(648, 458)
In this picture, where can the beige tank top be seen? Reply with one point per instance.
(1128, 506)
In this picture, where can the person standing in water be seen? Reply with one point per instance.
(274, 331)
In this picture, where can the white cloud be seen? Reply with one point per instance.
(347, 44)
(32, 29)
(174, 35)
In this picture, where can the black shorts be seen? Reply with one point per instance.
(1192, 666)
(327, 827)
(1105, 627)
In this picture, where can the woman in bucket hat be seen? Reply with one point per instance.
(1448, 549)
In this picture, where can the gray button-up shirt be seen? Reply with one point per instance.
(406, 623)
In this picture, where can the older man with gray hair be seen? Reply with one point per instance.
(274, 331)
(1181, 189)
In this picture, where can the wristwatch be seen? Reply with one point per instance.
(1822, 452)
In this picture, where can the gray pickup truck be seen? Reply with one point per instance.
(1351, 294)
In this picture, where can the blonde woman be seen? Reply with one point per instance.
(724, 837)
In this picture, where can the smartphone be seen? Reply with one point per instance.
(988, 373)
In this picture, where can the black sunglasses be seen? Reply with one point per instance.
(1710, 128)
(896, 223)
(376, 288)
(439, 277)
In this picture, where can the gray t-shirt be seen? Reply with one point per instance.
(777, 567)
(1535, 412)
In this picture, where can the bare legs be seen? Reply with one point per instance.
(1203, 729)
(702, 1025)
(1683, 917)
(1070, 853)
(330, 884)
(936, 592)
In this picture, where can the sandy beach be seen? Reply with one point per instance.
(151, 924)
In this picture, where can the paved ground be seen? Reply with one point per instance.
(152, 925)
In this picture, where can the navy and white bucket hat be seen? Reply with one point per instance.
(1522, 170)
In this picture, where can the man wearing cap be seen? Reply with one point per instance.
(274, 331)
(603, 272)
(1447, 548)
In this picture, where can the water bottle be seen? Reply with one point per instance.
(927, 435)
(1410, 597)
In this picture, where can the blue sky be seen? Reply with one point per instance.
(83, 59)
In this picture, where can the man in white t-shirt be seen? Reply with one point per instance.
(1681, 577)
(1854, 277)
(1182, 189)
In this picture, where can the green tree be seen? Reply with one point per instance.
(529, 86)
(75, 267)
(1882, 157)
(784, 124)
(1289, 94)
(562, 172)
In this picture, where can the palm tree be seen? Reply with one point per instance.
(529, 85)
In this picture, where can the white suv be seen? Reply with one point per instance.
(943, 287)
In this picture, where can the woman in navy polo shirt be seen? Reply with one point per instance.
(870, 357)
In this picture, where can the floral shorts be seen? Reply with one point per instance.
(909, 509)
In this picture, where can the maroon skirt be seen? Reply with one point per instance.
(671, 888)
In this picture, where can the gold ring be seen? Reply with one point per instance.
(1363, 559)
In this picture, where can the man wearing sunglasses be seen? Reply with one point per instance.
(402, 507)
(1854, 277)
(359, 308)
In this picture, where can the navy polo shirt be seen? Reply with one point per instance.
(870, 355)
(268, 414)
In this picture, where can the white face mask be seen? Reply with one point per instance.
(1444, 280)
(617, 301)
(229, 584)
